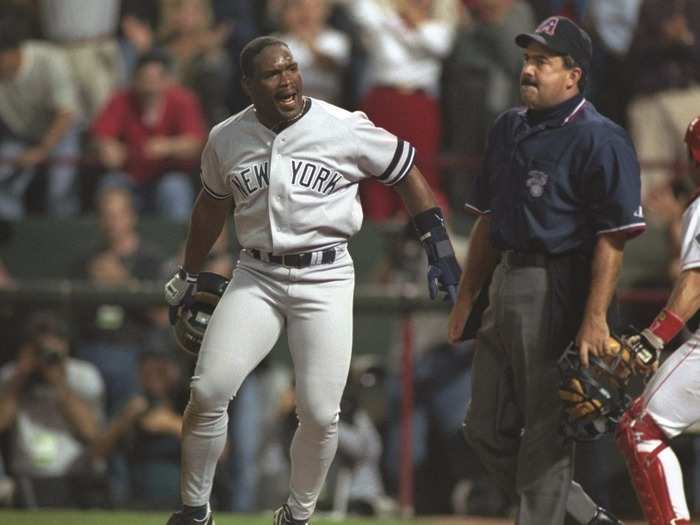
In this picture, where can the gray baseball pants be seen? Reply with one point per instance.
(314, 305)
(514, 415)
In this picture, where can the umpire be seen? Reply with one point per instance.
(558, 198)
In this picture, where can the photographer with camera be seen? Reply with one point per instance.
(52, 405)
(147, 430)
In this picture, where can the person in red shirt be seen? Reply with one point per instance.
(149, 137)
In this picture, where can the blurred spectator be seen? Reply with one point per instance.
(484, 49)
(5, 277)
(276, 398)
(666, 204)
(615, 22)
(408, 41)
(484, 65)
(337, 18)
(359, 488)
(323, 53)
(111, 336)
(355, 77)
(200, 39)
(219, 260)
(52, 404)
(201, 61)
(147, 431)
(574, 9)
(86, 31)
(6, 234)
(38, 114)
(244, 19)
(149, 137)
(666, 80)
(7, 486)
(612, 24)
(441, 383)
(354, 484)
(137, 36)
(542, 8)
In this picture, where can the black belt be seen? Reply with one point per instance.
(296, 260)
(525, 259)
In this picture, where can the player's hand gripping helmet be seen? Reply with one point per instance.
(193, 317)
(594, 397)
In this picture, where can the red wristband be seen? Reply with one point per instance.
(666, 325)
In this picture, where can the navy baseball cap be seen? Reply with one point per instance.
(564, 37)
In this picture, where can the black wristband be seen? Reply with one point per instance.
(428, 219)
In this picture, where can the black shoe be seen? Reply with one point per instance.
(283, 516)
(603, 517)
(179, 518)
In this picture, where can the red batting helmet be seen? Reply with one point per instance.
(692, 139)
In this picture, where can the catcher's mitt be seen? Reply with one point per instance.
(631, 356)
(594, 398)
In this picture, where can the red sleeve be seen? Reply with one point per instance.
(108, 123)
(189, 115)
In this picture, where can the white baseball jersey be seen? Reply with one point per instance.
(296, 190)
(690, 247)
(673, 394)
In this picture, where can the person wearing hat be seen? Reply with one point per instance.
(558, 197)
(669, 404)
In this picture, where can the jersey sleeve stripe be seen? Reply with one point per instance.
(690, 265)
(408, 163)
(213, 193)
(394, 161)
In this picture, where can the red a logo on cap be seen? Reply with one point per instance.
(548, 26)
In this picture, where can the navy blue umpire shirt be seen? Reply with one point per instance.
(555, 179)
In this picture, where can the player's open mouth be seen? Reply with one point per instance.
(287, 101)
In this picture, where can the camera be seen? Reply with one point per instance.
(49, 355)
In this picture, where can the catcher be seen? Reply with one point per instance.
(670, 402)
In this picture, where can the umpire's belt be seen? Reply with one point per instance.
(525, 259)
(297, 260)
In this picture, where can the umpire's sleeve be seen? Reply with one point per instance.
(614, 188)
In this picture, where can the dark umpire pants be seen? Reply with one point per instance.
(535, 308)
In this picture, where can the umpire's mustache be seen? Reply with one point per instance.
(527, 81)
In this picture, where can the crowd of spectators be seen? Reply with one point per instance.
(104, 109)
(123, 92)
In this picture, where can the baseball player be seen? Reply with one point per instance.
(670, 402)
(290, 165)
(558, 197)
